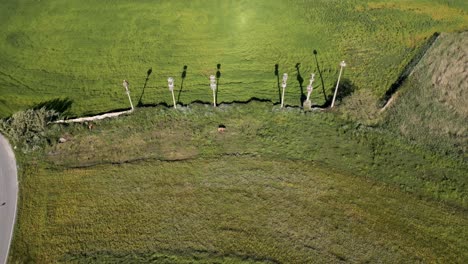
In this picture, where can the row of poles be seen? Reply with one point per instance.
(213, 86)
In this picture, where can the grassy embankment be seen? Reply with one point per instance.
(431, 109)
(80, 51)
(278, 186)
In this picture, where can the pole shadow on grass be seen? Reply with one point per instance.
(408, 69)
(277, 81)
(320, 74)
(61, 106)
(148, 73)
(345, 89)
(218, 76)
(182, 75)
(299, 78)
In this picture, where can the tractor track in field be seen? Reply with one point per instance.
(13, 81)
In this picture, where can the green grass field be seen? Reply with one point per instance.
(257, 130)
(229, 210)
(162, 185)
(82, 50)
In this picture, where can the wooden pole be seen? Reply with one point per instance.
(170, 83)
(342, 64)
(214, 98)
(213, 88)
(282, 96)
(126, 84)
(173, 98)
(130, 99)
(310, 87)
(285, 78)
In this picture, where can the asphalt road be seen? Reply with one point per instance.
(8, 196)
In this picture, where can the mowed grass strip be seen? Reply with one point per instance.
(239, 207)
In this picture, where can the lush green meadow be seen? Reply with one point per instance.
(162, 185)
(259, 129)
(82, 50)
(279, 186)
(230, 210)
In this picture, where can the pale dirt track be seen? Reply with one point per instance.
(92, 118)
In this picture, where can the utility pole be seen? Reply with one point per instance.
(285, 79)
(213, 87)
(126, 84)
(310, 88)
(170, 83)
(342, 64)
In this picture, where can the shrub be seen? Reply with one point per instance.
(361, 107)
(28, 128)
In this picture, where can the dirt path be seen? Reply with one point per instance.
(92, 118)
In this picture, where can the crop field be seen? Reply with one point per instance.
(164, 186)
(80, 51)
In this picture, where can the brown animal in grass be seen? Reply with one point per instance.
(221, 128)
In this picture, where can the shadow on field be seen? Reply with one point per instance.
(345, 89)
(218, 76)
(61, 106)
(182, 75)
(252, 99)
(408, 69)
(320, 74)
(277, 81)
(299, 78)
(200, 102)
(148, 73)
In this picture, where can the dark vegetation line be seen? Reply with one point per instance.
(408, 69)
(145, 159)
(191, 253)
(252, 99)
(137, 160)
(166, 105)
(129, 161)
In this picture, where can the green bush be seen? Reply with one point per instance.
(28, 128)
